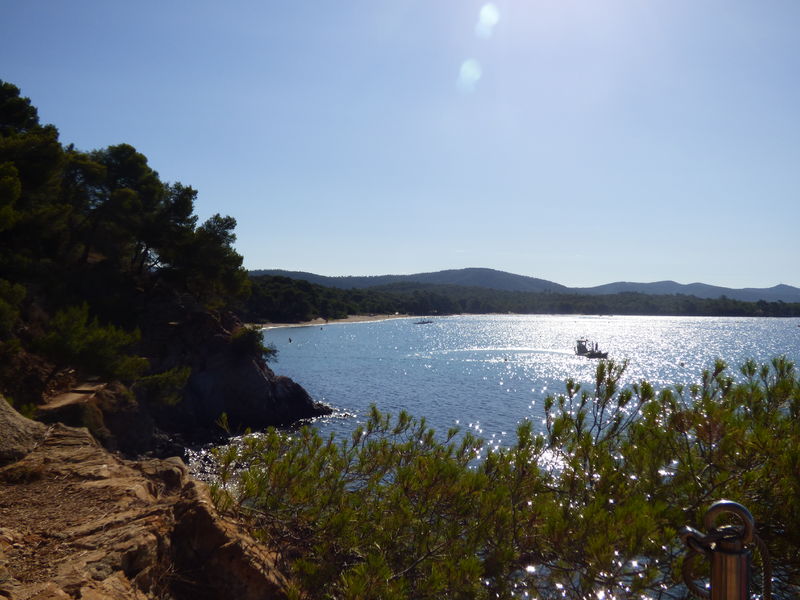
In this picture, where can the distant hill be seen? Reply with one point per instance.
(501, 280)
(473, 277)
(778, 293)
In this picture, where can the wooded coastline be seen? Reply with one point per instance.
(283, 300)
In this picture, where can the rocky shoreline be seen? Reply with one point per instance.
(228, 388)
(226, 378)
(77, 521)
(96, 502)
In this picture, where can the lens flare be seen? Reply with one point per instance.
(469, 74)
(487, 19)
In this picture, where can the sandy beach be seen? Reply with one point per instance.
(322, 322)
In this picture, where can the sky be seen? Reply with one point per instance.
(582, 142)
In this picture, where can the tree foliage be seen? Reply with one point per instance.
(587, 508)
(166, 387)
(89, 241)
(11, 296)
(75, 340)
(249, 342)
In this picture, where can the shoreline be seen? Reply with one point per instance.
(319, 321)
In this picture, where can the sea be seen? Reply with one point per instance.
(488, 373)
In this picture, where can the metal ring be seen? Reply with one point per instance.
(728, 506)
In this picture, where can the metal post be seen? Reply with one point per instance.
(728, 549)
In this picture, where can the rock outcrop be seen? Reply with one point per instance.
(78, 522)
(18, 435)
(224, 379)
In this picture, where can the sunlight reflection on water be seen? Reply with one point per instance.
(490, 372)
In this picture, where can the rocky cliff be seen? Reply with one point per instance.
(77, 522)
(225, 377)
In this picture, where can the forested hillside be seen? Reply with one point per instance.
(509, 282)
(281, 299)
(89, 239)
(105, 272)
(471, 277)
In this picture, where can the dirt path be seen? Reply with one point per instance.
(80, 393)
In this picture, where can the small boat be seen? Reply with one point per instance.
(586, 348)
(423, 322)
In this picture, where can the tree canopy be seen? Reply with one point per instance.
(92, 238)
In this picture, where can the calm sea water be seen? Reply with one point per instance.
(487, 373)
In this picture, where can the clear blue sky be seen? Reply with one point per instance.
(582, 142)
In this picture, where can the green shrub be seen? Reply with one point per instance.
(588, 508)
(74, 340)
(11, 295)
(27, 409)
(249, 342)
(164, 388)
